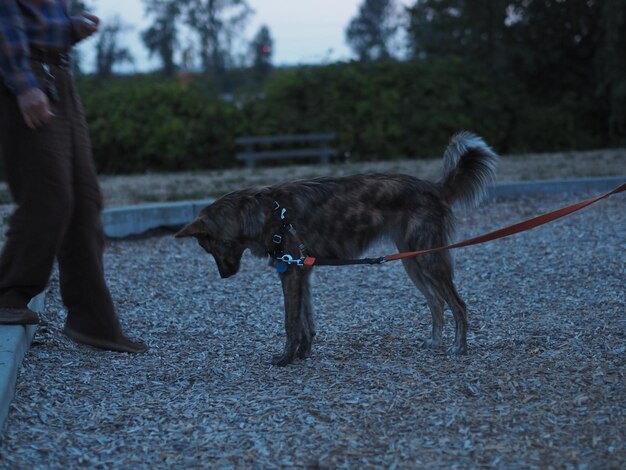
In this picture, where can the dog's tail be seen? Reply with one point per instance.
(469, 165)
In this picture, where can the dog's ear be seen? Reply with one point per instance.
(195, 228)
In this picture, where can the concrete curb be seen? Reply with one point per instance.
(14, 342)
(135, 220)
(578, 185)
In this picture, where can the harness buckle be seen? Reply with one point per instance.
(277, 239)
(288, 259)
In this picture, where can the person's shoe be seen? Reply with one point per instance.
(119, 344)
(18, 316)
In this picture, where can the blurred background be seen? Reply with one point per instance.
(169, 84)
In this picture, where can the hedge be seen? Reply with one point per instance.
(381, 110)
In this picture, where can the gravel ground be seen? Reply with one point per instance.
(543, 386)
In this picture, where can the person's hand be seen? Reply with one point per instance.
(35, 107)
(85, 25)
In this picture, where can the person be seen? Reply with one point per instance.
(51, 175)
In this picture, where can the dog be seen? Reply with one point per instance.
(339, 218)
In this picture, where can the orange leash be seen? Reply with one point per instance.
(501, 233)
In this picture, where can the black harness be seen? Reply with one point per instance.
(282, 260)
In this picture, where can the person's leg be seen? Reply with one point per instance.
(38, 175)
(91, 314)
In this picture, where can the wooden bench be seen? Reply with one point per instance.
(279, 147)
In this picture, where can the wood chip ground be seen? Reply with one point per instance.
(543, 386)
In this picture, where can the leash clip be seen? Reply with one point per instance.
(291, 260)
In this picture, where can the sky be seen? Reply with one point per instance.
(304, 31)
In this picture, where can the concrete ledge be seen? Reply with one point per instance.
(14, 342)
(133, 220)
(520, 188)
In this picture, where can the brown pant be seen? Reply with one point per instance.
(52, 178)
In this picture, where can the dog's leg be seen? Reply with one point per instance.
(459, 310)
(438, 270)
(299, 324)
(435, 306)
(306, 317)
(435, 302)
(293, 325)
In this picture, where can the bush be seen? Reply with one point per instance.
(385, 109)
(161, 126)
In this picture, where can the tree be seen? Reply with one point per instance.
(610, 62)
(371, 32)
(472, 29)
(213, 24)
(162, 37)
(561, 53)
(108, 51)
(216, 23)
(553, 43)
(262, 48)
(548, 44)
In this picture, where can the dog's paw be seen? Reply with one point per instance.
(304, 352)
(282, 360)
(288, 355)
(306, 344)
(457, 350)
(431, 343)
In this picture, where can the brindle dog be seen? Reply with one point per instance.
(339, 218)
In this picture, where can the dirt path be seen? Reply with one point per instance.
(123, 190)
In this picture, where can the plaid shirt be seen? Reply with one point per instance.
(44, 24)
